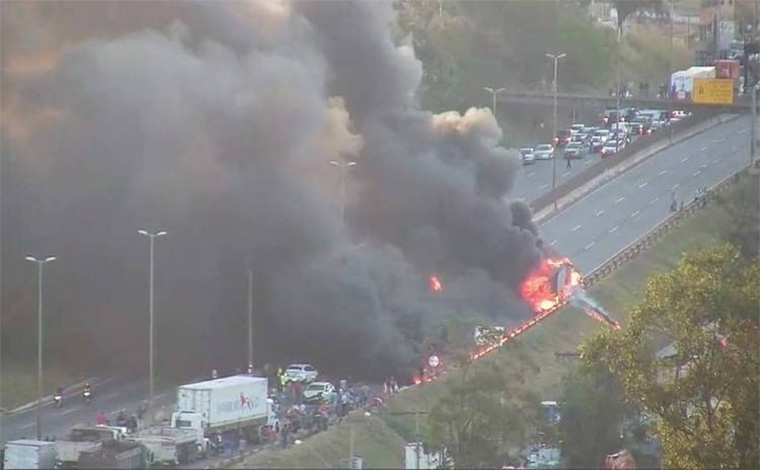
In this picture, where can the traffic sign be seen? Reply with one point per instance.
(433, 361)
(713, 91)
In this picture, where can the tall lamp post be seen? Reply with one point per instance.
(555, 58)
(343, 169)
(152, 237)
(493, 92)
(250, 321)
(40, 263)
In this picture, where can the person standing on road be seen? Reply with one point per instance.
(569, 164)
(285, 430)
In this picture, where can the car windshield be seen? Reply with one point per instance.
(315, 388)
(573, 145)
(526, 151)
(544, 147)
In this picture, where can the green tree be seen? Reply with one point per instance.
(593, 412)
(743, 208)
(484, 413)
(700, 390)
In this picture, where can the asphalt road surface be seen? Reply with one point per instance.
(57, 422)
(598, 226)
(589, 232)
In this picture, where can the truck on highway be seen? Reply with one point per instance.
(67, 452)
(236, 406)
(126, 454)
(169, 446)
(28, 454)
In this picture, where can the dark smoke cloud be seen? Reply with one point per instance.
(215, 121)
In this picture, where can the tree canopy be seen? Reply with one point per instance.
(689, 359)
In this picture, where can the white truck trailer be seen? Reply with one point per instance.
(29, 454)
(233, 406)
(67, 452)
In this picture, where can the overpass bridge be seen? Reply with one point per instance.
(741, 104)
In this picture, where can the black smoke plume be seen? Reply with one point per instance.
(216, 121)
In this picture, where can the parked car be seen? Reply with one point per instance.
(527, 155)
(301, 373)
(573, 150)
(318, 390)
(544, 152)
(563, 137)
(609, 148)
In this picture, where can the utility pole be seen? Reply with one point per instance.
(250, 321)
(351, 446)
(493, 92)
(556, 58)
(753, 134)
(617, 74)
(151, 389)
(416, 414)
(343, 170)
(40, 263)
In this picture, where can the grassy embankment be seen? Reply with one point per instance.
(379, 439)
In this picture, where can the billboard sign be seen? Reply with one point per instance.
(713, 91)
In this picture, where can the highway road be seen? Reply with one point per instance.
(111, 397)
(589, 232)
(602, 223)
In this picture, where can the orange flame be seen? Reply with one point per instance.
(435, 284)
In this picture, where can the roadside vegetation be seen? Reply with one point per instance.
(591, 394)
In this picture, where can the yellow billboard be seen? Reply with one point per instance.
(713, 91)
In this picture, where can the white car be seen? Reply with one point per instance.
(316, 389)
(610, 148)
(577, 128)
(301, 373)
(544, 152)
(527, 155)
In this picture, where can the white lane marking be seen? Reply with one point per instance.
(643, 184)
(544, 187)
(565, 174)
(27, 425)
(575, 229)
(588, 247)
(161, 395)
(717, 141)
(110, 396)
(663, 172)
(696, 173)
(654, 200)
(69, 411)
(619, 200)
(531, 174)
(587, 162)
(703, 149)
(741, 131)
(635, 214)
(675, 186)
(684, 159)
(717, 160)
(614, 229)
(601, 211)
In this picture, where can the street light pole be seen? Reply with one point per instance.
(753, 134)
(343, 169)
(250, 321)
(494, 92)
(617, 74)
(40, 264)
(152, 237)
(556, 58)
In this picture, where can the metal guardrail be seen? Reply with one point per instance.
(644, 242)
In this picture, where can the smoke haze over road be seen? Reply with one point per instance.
(215, 121)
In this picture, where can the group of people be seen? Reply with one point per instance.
(390, 386)
(122, 420)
